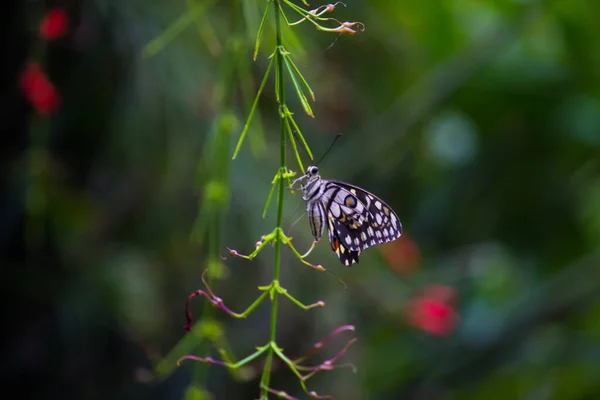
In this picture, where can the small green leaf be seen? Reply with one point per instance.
(293, 142)
(260, 30)
(301, 95)
(173, 30)
(277, 83)
(312, 94)
(249, 119)
(269, 200)
(301, 136)
(205, 28)
(257, 139)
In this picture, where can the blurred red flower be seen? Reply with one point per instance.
(38, 90)
(433, 311)
(402, 255)
(54, 24)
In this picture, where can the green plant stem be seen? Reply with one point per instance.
(266, 377)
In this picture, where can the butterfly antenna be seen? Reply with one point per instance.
(339, 135)
(291, 215)
(339, 279)
(298, 139)
(334, 41)
(295, 222)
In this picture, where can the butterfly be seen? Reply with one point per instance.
(355, 218)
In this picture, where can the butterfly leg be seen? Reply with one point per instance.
(310, 250)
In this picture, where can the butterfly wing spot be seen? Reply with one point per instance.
(348, 239)
(370, 231)
(363, 236)
(378, 204)
(378, 218)
(385, 232)
(335, 210)
(386, 211)
(356, 241)
(350, 258)
(350, 201)
(348, 211)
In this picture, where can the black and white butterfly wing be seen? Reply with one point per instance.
(356, 220)
(345, 254)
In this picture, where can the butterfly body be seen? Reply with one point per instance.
(355, 218)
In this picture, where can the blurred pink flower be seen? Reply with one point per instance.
(433, 311)
(38, 89)
(54, 24)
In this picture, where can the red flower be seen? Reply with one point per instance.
(433, 311)
(38, 90)
(54, 24)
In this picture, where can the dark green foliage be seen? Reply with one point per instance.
(478, 122)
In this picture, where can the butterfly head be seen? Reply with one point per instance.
(309, 181)
(311, 171)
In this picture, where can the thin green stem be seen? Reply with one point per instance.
(266, 376)
(224, 363)
(251, 307)
(282, 163)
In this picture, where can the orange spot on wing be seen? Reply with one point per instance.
(335, 244)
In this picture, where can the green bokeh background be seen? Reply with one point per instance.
(477, 121)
